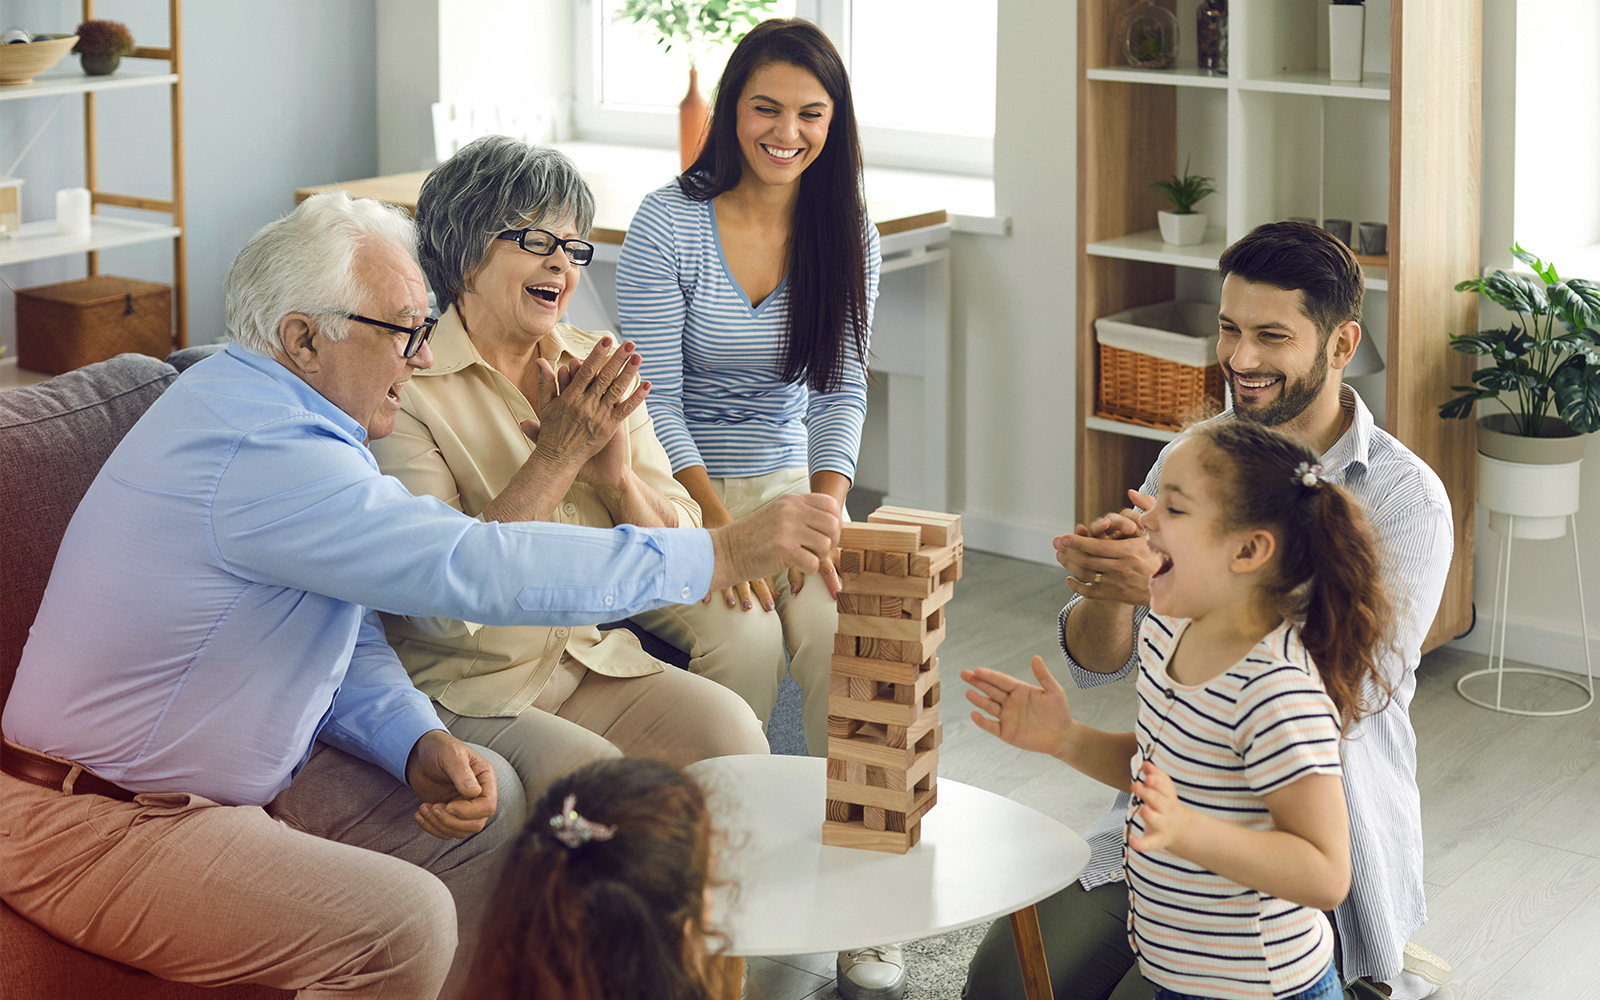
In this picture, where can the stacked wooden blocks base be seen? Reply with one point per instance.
(898, 570)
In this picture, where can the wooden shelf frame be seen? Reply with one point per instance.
(1127, 136)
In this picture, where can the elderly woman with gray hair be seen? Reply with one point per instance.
(502, 245)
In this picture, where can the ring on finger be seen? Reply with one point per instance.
(1098, 576)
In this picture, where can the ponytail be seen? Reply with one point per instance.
(1328, 575)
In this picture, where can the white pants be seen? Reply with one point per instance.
(745, 650)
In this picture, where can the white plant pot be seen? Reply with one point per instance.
(1347, 26)
(1539, 497)
(1182, 230)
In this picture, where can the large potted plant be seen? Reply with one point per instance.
(1545, 374)
(695, 26)
(1183, 226)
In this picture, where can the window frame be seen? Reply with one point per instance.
(882, 145)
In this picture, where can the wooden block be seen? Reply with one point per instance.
(878, 777)
(858, 836)
(874, 818)
(871, 752)
(883, 584)
(873, 627)
(876, 710)
(924, 801)
(936, 530)
(879, 670)
(860, 689)
(882, 537)
(844, 645)
(850, 561)
(952, 572)
(889, 607)
(931, 698)
(869, 605)
(931, 560)
(896, 564)
(915, 734)
(842, 727)
(866, 795)
(889, 650)
(935, 619)
(839, 812)
(922, 608)
(922, 765)
(872, 561)
(839, 684)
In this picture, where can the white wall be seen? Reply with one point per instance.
(275, 97)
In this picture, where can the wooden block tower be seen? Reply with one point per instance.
(898, 571)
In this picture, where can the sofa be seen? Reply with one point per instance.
(53, 439)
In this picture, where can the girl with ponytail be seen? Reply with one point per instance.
(1267, 620)
(604, 895)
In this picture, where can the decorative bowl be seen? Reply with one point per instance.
(20, 63)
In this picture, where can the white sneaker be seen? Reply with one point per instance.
(872, 973)
(1419, 961)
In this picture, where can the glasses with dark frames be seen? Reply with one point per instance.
(543, 243)
(415, 336)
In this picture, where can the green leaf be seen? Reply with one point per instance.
(1546, 272)
(1577, 393)
(1459, 408)
(1517, 293)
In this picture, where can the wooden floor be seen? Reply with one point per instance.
(1510, 805)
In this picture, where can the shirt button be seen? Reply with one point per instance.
(569, 509)
(561, 633)
(609, 600)
(686, 593)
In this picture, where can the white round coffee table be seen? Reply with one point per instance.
(981, 856)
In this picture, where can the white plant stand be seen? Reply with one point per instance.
(1533, 523)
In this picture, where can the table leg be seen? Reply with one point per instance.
(1030, 953)
(726, 976)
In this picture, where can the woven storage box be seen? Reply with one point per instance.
(76, 323)
(1158, 364)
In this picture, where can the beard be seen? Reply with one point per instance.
(1296, 395)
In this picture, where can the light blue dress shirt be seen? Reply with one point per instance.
(211, 609)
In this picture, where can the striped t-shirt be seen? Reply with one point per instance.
(1259, 726)
(713, 360)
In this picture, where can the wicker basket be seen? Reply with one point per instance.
(1140, 387)
(76, 323)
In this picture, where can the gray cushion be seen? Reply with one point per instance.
(54, 437)
(189, 355)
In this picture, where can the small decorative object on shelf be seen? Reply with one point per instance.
(696, 27)
(1339, 229)
(10, 204)
(1184, 226)
(1211, 36)
(1347, 23)
(1149, 35)
(1373, 240)
(24, 56)
(102, 44)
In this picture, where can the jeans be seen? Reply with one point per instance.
(1325, 988)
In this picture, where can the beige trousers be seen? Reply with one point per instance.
(671, 716)
(331, 888)
(745, 650)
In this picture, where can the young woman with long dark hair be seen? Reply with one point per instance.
(748, 284)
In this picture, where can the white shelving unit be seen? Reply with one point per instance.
(39, 240)
(1282, 140)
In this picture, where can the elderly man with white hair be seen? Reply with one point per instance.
(215, 768)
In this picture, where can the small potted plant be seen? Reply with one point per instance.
(102, 44)
(1183, 226)
(1545, 373)
(696, 27)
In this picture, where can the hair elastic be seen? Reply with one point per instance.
(1308, 475)
(573, 830)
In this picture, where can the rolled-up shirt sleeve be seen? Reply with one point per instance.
(332, 525)
(377, 714)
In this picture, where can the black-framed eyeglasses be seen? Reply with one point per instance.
(544, 244)
(415, 336)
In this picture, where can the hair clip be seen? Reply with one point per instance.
(573, 830)
(1309, 475)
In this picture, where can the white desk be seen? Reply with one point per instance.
(981, 856)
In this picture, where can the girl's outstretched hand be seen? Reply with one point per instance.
(1033, 718)
(1165, 818)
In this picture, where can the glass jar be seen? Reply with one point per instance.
(1211, 36)
(1149, 35)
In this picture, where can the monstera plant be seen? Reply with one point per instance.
(1546, 366)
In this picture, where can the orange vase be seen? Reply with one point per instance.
(692, 114)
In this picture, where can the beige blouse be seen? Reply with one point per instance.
(458, 437)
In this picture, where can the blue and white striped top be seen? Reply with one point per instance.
(713, 361)
(1409, 511)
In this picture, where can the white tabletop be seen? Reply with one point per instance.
(982, 856)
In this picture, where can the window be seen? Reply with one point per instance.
(922, 72)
